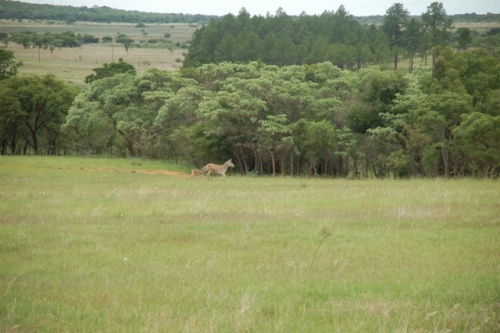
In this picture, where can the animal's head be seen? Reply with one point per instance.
(230, 163)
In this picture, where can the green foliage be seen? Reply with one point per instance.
(89, 39)
(32, 111)
(438, 26)
(8, 64)
(478, 138)
(64, 39)
(113, 102)
(12, 10)
(336, 37)
(395, 22)
(282, 40)
(464, 38)
(296, 120)
(108, 70)
(125, 40)
(314, 119)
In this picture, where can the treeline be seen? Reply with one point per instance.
(16, 10)
(28, 39)
(291, 120)
(332, 36)
(51, 41)
(477, 18)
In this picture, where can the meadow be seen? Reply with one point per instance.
(74, 64)
(130, 245)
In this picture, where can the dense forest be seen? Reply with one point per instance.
(316, 117)
(332, 36)
(291, 120)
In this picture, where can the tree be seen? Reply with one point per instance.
(440, 114)
(379, 45)
(478, 143)
(302, 119)
(275, 138)
(4, 38)
(437, 26)
(178, 99)
(412, 40)
(125, 40)
(315, 142)
(118, 103)
(395, 22)
(89, 39)
(39, 105)
(8, 64)
(11, 129)
(91, 132)
(42, 41)
(378, 90)
(231, 118)
(108, 70)
(464, 38)
(24, 38)
(281, 40)
(383, 153)
(69, 39)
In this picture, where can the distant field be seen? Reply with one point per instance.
(129, 245)
(478, 27)
(73, 65)
(181, 32)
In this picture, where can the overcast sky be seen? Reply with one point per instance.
(291, 7)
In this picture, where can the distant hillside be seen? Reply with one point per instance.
(17, 10)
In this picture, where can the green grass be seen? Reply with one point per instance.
(120, 245)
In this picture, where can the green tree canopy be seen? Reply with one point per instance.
(301, 119)
(8, 64)
(395, 25)
(35, 108)
(125, 40)
(108, 70)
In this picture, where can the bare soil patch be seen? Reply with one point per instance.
(162, 172)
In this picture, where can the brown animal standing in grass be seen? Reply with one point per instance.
(196, 172)
(217, 168)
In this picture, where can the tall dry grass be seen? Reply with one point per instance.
(74, 64)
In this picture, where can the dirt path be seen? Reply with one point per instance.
(162, 172)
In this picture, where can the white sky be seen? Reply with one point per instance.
(291, 7)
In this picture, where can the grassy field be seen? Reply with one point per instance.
(180, 32)
(74, 64)
(124, 245)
